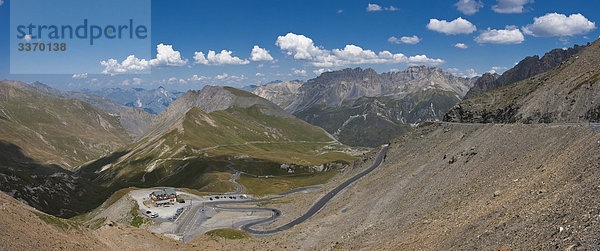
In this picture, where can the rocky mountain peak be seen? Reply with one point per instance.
(528, 67)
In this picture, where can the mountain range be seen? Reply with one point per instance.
(192, 142)
(528, 67)
(363, 108)
(153, 100)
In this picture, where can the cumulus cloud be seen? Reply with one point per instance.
(497, 69)
(469, 73)
(260, 54)
(226, 78)
(80, 76)
(461, 46)
(510, 35)
(197, 78)
(222, 58)
(468, 7)
(510, 6)
(376, 7)
(222, 76)
(299, 72)
(320, 71)
(299, 47)
(404, 40)
(165, 56)
(303, 48)
(457, 26)
(174, 80)
(554, 24)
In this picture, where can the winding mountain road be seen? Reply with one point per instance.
(193, 217)
(314, 209)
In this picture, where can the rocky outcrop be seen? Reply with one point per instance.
(528, 67)
(567, 93)
(280, 93)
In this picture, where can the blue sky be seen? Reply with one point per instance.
(303, 38)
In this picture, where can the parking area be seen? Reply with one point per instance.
(163, 212)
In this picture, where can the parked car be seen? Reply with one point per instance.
(154, 215)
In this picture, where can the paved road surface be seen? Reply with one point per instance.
(194, 216)
(316, 207)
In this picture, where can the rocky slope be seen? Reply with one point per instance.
(353, 104)
(134, 120)
(201, 133)
(528, 67)
(40, 134)
(25, 228)
(56, 130)
(280, 93)
(567, 93)
(458, 187)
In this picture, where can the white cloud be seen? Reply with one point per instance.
(222, 58)
(299, 72)
(320, 71)
(469, 73)
(229, 79)
(222, 76)
(405, 40)
(299, 46)
(165, 56)
(80, 76)
(303, 48)
(457, 26)
(461, 46)
(497, 69)
(260, 54)
(340, 11)
(511, 35)
(554, 24)
(510, 6)
(376, 7)
(258, 74)
(468, 7)
(197, 78)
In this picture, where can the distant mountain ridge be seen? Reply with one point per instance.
(363, 108)
(528, 67)
(134, 120)
(153, 101)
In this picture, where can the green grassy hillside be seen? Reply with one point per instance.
(55, 130)
(196, 151)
